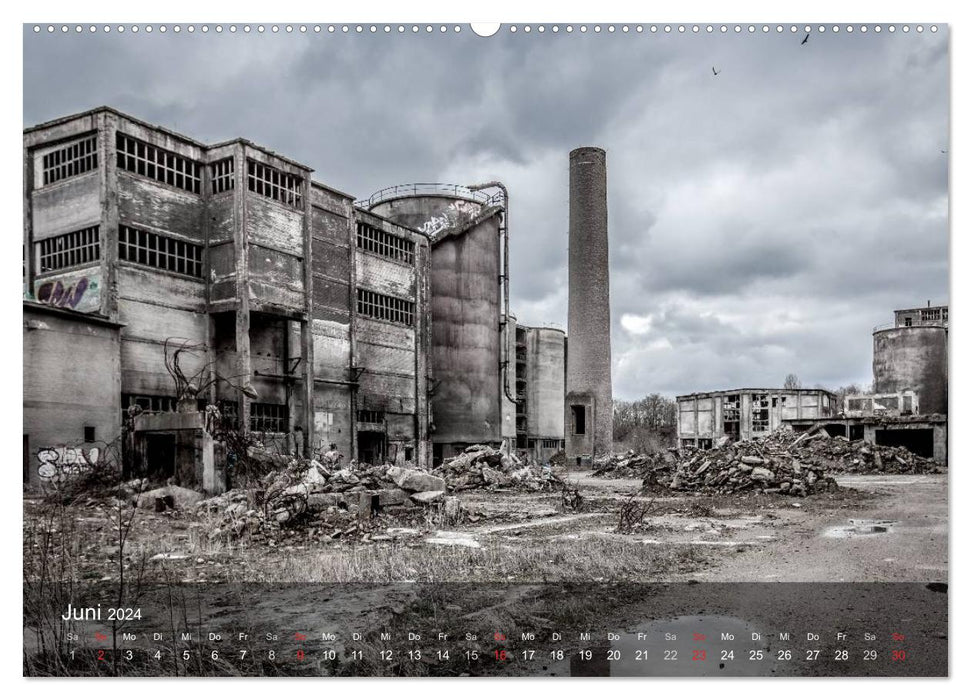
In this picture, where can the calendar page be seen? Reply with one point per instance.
(464, 350)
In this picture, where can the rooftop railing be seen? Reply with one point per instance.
(429, 189)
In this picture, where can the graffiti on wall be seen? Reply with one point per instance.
(58, 464)
(79, 292)
(457, 213)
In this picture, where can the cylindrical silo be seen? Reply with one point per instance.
(465, 302)
(589, 404)
(545, 360)
(912, 357)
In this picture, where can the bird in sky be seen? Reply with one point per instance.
(805, 40)
(716, 72)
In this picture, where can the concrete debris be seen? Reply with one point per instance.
(339, 502)
(168, 498)
(415, 480)
(783, 462)
(484, 467)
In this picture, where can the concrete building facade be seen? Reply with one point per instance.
(742, 414)
(309, 316)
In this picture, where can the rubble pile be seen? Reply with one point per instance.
(742, 467)
(484, 467)
(783, 462)
(342, 500)
(841, 456)
(631, 465)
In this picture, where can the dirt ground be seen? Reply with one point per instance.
(524, 561)
(874, 528)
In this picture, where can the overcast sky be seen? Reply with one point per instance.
(762, 220)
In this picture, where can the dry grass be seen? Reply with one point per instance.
(593, 559)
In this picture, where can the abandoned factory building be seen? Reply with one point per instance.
(301, 314)
(909, 403)
(907, 408)
(743, 414)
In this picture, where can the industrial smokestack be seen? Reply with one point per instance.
(589, 400)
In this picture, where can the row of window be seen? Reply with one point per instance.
(275, 184)
(269, 418)
(164, 166)
(69, 249)
(158, 164)
(264, 417)
(70, 160)
(161, 252)
(389, 245)
(385, 308)
(223, 173)
(370, 416)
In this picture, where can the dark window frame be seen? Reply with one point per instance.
(70, 160)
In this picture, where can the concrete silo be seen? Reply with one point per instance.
(545, 363)
(466, 228)
(912, 358)
(589, 402)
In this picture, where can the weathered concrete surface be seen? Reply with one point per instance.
(912, 358)
(588, 360)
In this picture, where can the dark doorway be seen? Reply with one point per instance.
(579, 419)
(920, 441)
(159, 456)
(835, 430)
(370, 447)
(856, 432)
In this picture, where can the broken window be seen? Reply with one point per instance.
(731, 407)
(275, 184)
(374, 240)
(269, 418)
(551, 444)
(385, 308)
(158, 164)
(69, 249)
(579, 419)
(160, 252)
(908, 321)
(229, 414)
(70, 160)
(149, 404)
(223, 174)
(760, 413)
(153, 404)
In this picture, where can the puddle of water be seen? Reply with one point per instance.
(860, 528)
(706, 645)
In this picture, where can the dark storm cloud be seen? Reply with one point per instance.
(762, 221)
